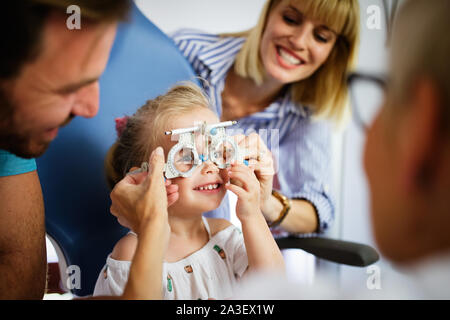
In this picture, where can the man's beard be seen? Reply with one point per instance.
(22, 146)
(15, 142)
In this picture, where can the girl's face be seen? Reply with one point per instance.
(204, 189)
(294, 46)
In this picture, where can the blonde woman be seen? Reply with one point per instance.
(285, 76)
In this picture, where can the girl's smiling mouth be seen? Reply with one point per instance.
(209, 187)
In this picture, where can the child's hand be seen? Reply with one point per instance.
(260, 158)
(172, 192)
(246, 188)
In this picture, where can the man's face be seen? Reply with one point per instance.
(391, 223)
(60, 84)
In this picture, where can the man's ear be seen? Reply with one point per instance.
(419, 128)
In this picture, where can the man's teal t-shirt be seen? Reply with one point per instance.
(11, 165)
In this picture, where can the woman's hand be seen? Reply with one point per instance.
(141, 197)
(260, 158)
(246, 188)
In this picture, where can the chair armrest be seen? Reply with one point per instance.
(343, 252)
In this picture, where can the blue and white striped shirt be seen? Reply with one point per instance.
(302, 146)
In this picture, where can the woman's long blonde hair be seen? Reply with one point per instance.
(326, 90)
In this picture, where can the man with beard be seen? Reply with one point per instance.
(48, 75)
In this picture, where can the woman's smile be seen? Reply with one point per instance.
(287, 59)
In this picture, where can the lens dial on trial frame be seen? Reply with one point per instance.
(183, 160)
(223, 153)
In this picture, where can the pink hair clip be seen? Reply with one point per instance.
(121, 124)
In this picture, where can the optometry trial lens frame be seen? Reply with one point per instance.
(214, 136)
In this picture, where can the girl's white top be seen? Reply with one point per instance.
(211, 272)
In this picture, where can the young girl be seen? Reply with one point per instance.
(205, 257)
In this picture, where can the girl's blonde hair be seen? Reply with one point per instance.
(326, 90)
(144, 130)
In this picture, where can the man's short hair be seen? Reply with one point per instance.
(22, 23)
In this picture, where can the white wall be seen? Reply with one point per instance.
(214, 16)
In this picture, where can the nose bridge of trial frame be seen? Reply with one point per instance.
(187, 134)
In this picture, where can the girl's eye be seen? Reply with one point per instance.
(186, 158)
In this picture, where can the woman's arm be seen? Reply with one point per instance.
(302, 217)
(305, 176)
(262, 250)
(303, 161)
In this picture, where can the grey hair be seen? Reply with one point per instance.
(421, 47)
